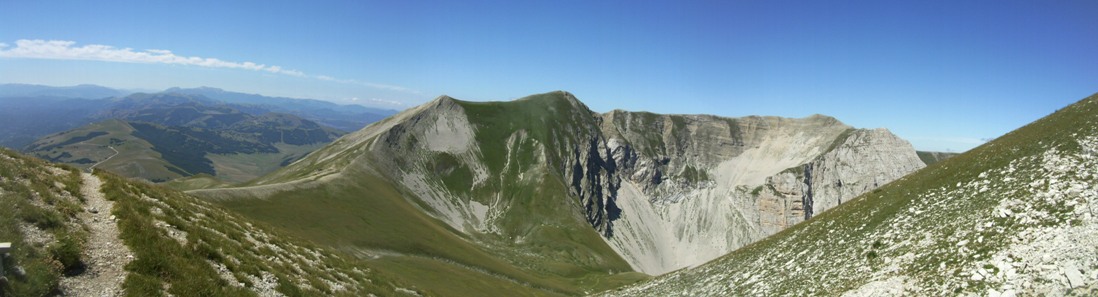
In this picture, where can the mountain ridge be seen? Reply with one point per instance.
(516, 176)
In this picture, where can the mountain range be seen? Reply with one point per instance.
(541, 196)
(216, 136)
(28, 112)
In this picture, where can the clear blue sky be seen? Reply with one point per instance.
(942, 74)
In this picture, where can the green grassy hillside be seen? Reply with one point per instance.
(109, 145)
(38, 204)
(1014, 216)
(347, 196)
(244, 151)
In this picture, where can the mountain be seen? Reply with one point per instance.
(79, 91)
(1015, 216)
(343, 117)
(24, 119)
(160, 137)
(80, 234)
(547, 193)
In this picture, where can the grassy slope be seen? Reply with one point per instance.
(545, 246)
(195, 182)
(541, 211)
(42, 198)
(238, 168)
(135, 157)
(924, 225)
(45, 201)
(367, 213)
(247, 249)
(934, 157)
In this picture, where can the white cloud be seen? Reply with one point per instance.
(68, 50)
(389, 87)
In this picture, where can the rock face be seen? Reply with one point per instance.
(693, 188)
(663, 191)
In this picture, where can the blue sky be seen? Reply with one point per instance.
(942, 74)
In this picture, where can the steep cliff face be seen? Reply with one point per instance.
(697, 187)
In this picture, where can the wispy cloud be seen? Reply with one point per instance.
(367, 84)
(69, 50)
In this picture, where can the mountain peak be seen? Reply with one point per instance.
(443, 98)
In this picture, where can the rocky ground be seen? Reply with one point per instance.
(105, 256)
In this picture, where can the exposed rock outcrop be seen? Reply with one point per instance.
(698, 187)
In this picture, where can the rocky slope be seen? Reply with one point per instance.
(1016, 216)
(662, 191)
(703, 186)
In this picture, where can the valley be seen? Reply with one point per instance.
(180, 133)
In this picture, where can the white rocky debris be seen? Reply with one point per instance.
(1040, 238)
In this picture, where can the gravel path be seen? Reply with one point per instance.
(104, 255)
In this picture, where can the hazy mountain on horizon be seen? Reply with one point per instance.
(83, 91)
(28, 112)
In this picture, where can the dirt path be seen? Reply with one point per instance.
(105, 255)
(104, 160)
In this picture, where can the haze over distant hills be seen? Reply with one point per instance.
(232, 137)
(84, 91)
(28, 112)
(344, 117)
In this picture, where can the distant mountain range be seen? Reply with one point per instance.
(172, 134)
(78, 91)
(28, 112)
(343, 117)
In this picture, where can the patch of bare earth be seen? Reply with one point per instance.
(105, 256)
